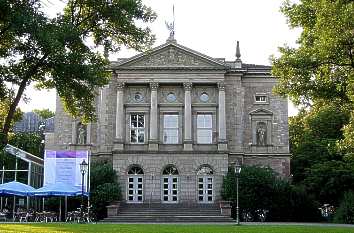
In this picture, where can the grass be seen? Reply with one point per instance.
(156, 228)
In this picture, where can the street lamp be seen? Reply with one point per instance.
(237, 173)
(83, 170)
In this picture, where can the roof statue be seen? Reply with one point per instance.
(238, 62)
(171, 27)
(238, 53)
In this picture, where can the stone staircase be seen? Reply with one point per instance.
(168, 213)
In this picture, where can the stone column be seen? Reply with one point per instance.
(187, 117)
(222, 142)
(119, 140)
(153, 140)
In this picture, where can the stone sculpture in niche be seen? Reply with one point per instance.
(261, 134)
(81, 134)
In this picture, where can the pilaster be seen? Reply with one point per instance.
(153, 139)
(119, 135)
(222, 142)
(187, 117)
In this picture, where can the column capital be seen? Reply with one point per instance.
(221, 86)
(120, 85)
(154, 85)
(187, 86)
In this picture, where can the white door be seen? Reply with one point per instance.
(170, 189)
(135, 189)
(205, 189)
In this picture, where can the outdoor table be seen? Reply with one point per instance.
(3, 217)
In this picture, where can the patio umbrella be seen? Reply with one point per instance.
(16, 188)
(58, 189)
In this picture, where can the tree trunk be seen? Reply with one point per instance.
(10, 115)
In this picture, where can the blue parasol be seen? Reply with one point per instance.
(16, 188)
(58, 189)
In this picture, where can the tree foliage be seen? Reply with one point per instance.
(319, 75)
(322, 67)
(345, 212)
(55, 53)
(44, 113)
(260, 189)
(318, 162)
(104, 187)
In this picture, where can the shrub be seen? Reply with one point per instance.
(104, 187)
(102, 196)
(345, 212)
(265, 196)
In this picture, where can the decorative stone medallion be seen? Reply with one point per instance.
(204, 97)
(138, 97)
(171, 97)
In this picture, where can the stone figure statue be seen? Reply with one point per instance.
(261, 134)
(81, 132)
(171, 28)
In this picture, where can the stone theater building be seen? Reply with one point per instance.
(173, 120)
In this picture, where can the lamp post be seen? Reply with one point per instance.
(237, 173)
(83, 170)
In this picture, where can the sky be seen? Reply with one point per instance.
(210, 27)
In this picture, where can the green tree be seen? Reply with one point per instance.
(44, 113)
(314, 134)
(345, 212)
(55, 53)
(104, 187)
(261, 189)
(327, 181)
(4, 108)
(29, 142)
(321, 68)
(318, 164)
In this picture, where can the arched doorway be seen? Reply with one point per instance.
(135, 184)
(170, 184)
(205, 184)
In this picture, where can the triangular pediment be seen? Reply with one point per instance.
(261, 112)
(170, 55)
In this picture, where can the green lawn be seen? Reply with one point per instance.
(131, 228)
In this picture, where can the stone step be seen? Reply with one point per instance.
(168, 213)
(170, 219)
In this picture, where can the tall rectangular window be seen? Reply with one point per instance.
(170, 129)
(204, 129)
(137, 128)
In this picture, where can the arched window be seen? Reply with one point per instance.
(135, 170)
(170, 170)
(205, 170)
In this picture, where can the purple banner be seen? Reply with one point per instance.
(66, 154)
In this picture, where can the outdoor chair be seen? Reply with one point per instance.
(3, 216)
(24, 216)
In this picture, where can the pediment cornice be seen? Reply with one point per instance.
(170, 56)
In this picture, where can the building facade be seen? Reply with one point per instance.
(173, 120)
(31, 122)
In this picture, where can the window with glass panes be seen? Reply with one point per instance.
(137, 128)
(204, 129)
(170, 129)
